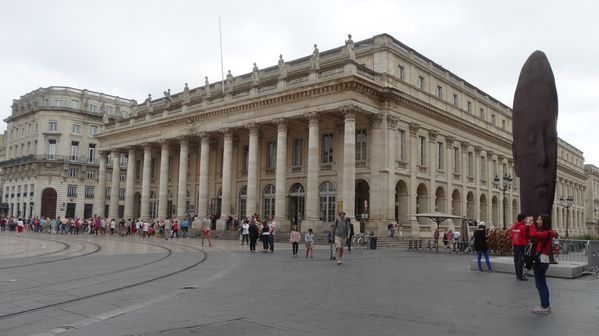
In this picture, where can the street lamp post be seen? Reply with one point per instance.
(567, 203)
(507, 184)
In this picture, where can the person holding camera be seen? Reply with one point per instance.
(519, 235)
(543, 234)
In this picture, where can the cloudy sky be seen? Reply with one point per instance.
(134, 47)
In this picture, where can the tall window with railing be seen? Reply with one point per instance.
(361, 145)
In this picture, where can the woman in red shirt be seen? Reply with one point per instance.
(543, 234)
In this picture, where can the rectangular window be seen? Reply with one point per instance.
(482, 113)
(125, 159)
(327, 149)
(456, 160)
(153, 168)
(109, 109)
(107, 193)
(89, 191)
(469, 108)
(73, 172)
(483, 168)
(298, 152)
(440, 156)
(51, 149)
(422, 144)
(121, 194)
(400, 72)
(53, 126)
(93, 129)
(495, 168)
(31, 189)
(421, 82)
(75, 104)
(93, 108)
(503, 124)
(76, 129)
(271, 155)
(246, 155)
(59, 103)
(74, 150)
(72, 190)
(401, 145)
(91, 153)
(361, 145)
(455, 99)
(125, 113)
(493, 119)
(123, 177)
(439, 91)
(137, 169)
(470, 164)
(91, 174)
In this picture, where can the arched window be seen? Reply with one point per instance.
(327, 202)
(268, 204)
(243, 198)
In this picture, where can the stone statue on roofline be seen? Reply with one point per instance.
(349, 45)
(149, 102)
(315, 58)
(255, 75)
(206, 86)
(229, 81)
(185, 95)
(134, 107)
(282, 67)
(167, 97)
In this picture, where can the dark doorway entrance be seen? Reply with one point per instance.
(297, 195)
(48, 203)
(70, 210)
(362, 202)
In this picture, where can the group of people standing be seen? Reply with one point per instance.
(252, 229)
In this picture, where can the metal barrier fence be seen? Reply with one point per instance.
(571, 250)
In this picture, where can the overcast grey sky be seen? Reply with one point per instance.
(132, 48)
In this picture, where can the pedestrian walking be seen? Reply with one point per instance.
(519, 235)
(309, 238)
(294, 239)
(253, 232)
(175, 229)
(206, 227)
(265, 237)
(185, 227)
(245, 232)
(272, 227)
(543, 234)
(480, 246)
(341, 232)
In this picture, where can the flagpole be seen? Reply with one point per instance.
(222, 69)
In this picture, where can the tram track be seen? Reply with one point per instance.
(96, 250)
(109, 291)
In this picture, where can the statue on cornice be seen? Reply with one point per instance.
(149, 102)
(282, 67)
(206, 86)
(167, 97)
(255, 75)
(315, 59)
(185, 95)
(134, 108)
(229, 81)
(349, 44)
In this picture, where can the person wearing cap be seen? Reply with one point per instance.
(480, 246)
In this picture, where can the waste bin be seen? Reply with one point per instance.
(372, 243)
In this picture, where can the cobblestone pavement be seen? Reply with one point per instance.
(105, 286)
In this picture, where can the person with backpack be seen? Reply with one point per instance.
(185, 227)
(543, 235)
(480, 246)
(341, 232)
(519, 235)
(253, 232)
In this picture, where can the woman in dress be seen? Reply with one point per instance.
(309, 238)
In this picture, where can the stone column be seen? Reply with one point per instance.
(501, 203)
(510, 196)
(492, 189)
(450, 162)
(226, 182)
(477, 176)
(182, 188)
(163, 189)
(349, 159)
(203, 178)
(377, 147)
(130, 183)
(100, 194)
(432, 166)
(281, 175)
(391, 162)
(464, 146)
(145, 182)
(312, 215)
(415, 228)
(113, 210)
(252, 186)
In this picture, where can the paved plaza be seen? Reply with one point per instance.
(68, 285)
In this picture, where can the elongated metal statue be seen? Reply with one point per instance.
(534, 127)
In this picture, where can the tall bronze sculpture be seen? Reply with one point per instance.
(534, 128)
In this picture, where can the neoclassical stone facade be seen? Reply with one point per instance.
(592, 199)
(372, 128)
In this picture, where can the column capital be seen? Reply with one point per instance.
(183, 140)
(146, 145)
(253, 128)
(103, 152)
(115, 151)
(282, 124)
(204, 137)
(349, 111)
(490, 154)
(392, 121)
(477, 150)
(500, 158)
(414, 127)
(164, 143)
(313, 118)
(465, 145)
(449, 140)
(432, 134)
(376, 120)
(227, 133)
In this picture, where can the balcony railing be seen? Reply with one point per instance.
(49, 157)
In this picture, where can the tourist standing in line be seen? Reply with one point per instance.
(145, 227)
(519, 235)
(206, 226)
(254, 232)
(309, 238)
(272, 227)
(265, 237)
(97, 225)
(245, 232)
(20, 227)
(480, 246)
(450, 240)
(185, 227)
(174, 229)
(294, 239)
(542, 232)
(112, 226)
(341, 232)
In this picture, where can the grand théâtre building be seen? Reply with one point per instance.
(372, 128)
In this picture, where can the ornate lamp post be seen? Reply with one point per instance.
(507, 184)
(567, 203)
